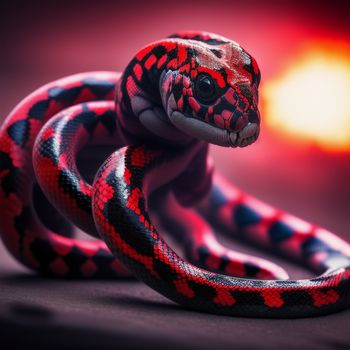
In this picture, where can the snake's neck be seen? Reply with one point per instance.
(138, 97)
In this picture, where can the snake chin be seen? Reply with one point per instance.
(221, 137)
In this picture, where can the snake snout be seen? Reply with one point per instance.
(244, 100)
(245, 128)
(238, 119)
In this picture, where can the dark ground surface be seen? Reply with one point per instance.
(47, 313)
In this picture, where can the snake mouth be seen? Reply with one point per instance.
(221, 137)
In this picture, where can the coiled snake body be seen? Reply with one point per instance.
(175, 96)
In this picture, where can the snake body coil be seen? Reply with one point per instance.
(175, 96)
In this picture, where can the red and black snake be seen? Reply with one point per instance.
(175, 97)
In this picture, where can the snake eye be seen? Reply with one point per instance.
(205, 88)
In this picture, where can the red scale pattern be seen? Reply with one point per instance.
(185, 274)
(13, 204)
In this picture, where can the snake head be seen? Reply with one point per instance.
(213, 94)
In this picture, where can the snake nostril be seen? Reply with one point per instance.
(246, 92)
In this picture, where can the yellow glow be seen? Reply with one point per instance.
(311, 99)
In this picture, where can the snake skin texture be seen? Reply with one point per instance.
(175, 97)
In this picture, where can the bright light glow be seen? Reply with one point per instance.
(311, 99)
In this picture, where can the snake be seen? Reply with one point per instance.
(158, 117)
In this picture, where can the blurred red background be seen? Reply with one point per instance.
(43, 42)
